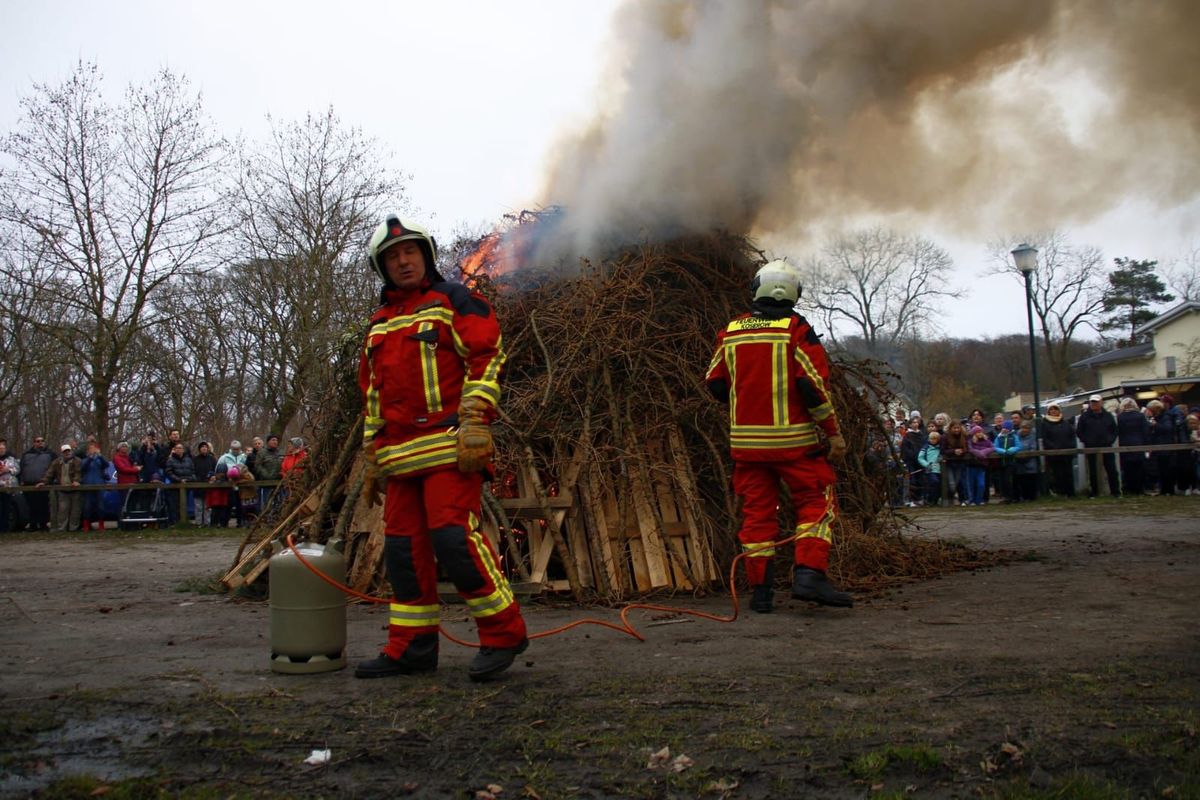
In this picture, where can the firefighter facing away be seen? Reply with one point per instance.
(770, 368)
(430, 372)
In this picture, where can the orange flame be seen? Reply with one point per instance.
(483, 261)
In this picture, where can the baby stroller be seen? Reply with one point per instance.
(142, 508)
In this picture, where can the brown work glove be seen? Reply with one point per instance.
(475, 446)
(374, 484)
(837, 448)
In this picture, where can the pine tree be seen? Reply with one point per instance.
(1132, 288)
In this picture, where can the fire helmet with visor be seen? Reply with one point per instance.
(397, 229)
(778, 281)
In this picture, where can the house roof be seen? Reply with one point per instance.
(1168, 316)
(1144, 350)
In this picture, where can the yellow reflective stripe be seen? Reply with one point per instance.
(822, 528)
(460, 346)
(731, 367)
(403, 466)
(488, 391)
(432, 314)
(414, 616)
(771, 442)
(433, 450)
(502, 597)
(429, 371)
(811, 371)
(758, 323)
(822, 412)
(718, 356)
(759, 549)
(759, 338)
(779, 384)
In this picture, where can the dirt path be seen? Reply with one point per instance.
(1071, 672)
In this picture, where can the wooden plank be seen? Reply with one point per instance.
(668, 515)
(653, 550)
(607, 582)
(704, 567)
(577, 538)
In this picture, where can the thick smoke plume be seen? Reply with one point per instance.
(787, 116)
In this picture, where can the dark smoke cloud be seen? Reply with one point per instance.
(781, 117)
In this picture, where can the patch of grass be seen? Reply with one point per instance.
(201, 584)
(916, 758)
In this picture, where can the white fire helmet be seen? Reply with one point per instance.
(396, 229)
(777, 280)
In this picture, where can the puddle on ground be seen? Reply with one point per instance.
(82, 747)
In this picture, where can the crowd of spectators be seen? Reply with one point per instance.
(971, 461)
(243, 481)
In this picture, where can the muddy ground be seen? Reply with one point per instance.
(1072, 671)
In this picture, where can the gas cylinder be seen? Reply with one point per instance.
(308, 616)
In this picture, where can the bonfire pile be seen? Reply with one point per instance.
(612, 471)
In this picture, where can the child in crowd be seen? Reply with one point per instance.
(930, 459)
(1007, 445)
(1025, 473)
(980, 448)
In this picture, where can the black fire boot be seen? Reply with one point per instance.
(760, 601)
(489, 662)
(812, 585)
(421, 655)
(764, 593)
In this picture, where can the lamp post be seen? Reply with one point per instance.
(1025, 258)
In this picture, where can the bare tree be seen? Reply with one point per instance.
(1183, 276)
(307, 201)
(114, 201)
(882, 285)
(1067, 293)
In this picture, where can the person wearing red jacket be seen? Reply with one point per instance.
(770, 367)
(430, 373)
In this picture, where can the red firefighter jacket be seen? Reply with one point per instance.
(775, 374)
(424, 351)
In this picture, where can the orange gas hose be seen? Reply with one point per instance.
(626, 627)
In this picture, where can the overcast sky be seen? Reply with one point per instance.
(469, 96)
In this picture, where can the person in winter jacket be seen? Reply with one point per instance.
(954, 458)
(231, 503)
(910, 448)
(268, 466)
(1007, 445)
(64, 471)
(1025, 472)
(33, 466)
(127, 470)
(1059, 434)
(93, 471)
(204, 464)
(178, 469)
(930, 460)
(980, 449)
(1133, 430)
(10, 469)
(430, 378)
(1096, 427)
(1182, 459)
(1163, 430)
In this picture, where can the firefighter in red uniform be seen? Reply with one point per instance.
(771, 369)
(430, 374)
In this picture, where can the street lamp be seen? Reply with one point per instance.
(1025, 258)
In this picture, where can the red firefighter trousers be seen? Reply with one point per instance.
(431, 519)
(810, 481)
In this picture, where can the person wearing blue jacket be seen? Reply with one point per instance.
(1007, 445)
(93, 471)
(1026, 473)
(930, 459)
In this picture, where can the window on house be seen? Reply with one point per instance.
(1169, 362)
